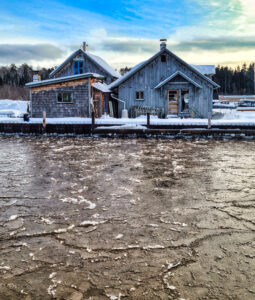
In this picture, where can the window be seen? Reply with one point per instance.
(78, 67)
(173, 96)
(139, 95)
(65, 97)
(163, 58)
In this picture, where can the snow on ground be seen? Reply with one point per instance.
(242, 118)
(12, 112)
(12, 108)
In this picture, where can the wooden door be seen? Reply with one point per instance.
(172, 102)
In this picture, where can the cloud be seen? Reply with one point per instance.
(20, 53)
(220, 44)
(130, 45)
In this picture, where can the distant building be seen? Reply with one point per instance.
(236, 98)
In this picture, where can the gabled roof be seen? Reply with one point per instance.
(205, 69)
(64, 79)
(96, 59)
(162, 83)
(143, 64)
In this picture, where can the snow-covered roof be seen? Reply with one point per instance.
(103, 87)
(141, 65)
(96, 59)
(162, 83)
(63, 79)
(205, 69)
(101, 62)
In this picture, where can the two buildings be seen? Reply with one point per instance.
(163, 85)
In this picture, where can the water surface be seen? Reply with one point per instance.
(126, 219)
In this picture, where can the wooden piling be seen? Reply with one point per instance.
(44, 121)
(209, 120)
(148, 119)
(92, 122)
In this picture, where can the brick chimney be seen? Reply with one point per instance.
(163, 44)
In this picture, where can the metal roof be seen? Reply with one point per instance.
(64, 79)
(173, 76)
(205, 69)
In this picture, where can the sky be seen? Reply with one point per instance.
(126, 32)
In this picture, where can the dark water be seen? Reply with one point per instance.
(126, 219)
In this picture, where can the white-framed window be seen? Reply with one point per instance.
(65, 97)
(139, 95)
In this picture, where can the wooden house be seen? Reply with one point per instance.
(166, 85)
(75, 88)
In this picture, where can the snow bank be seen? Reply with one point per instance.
(12, 108)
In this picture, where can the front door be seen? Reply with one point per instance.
(172, 102)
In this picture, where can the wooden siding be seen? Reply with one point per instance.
(45, 99)
(156, 71)
(89, 67)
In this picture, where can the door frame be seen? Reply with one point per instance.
(177, 91)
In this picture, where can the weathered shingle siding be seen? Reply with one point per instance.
(89, 67)
(155, 72)
(46, 100)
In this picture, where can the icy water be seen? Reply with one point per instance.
(126, 219)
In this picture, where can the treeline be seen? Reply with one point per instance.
(238, 81)
(13, 80)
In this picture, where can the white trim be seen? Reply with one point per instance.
(162, 83)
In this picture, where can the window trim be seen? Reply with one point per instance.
(78, 61)
(140, 93)
(63, 92)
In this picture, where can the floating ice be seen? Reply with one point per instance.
(91, 223)
(47, 221)
(5, 268)
(61, 230)
(119, 236)
(153, 247)
(179, 223)
(153, 225)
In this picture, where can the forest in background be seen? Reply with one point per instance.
(237, 81)
(13, 79)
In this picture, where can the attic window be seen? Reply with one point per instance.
(78, 67)
(139, 95)
(163, 58)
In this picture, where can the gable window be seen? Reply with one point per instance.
(65, 97)
(78, 67)
(163, 58)
(139, 95)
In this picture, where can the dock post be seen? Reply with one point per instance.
(93, 122)
(148, 119)
(209, 120)
(44, 122)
